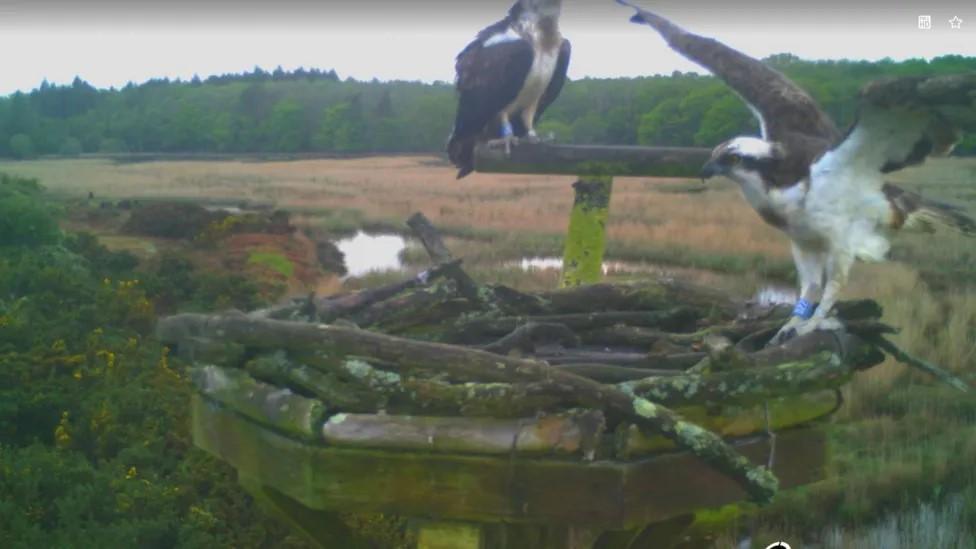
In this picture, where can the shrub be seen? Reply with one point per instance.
(25, 219)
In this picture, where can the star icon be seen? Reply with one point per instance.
(955, 22)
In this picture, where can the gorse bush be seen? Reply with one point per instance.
(95, 449)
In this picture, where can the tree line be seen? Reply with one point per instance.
(317, 111)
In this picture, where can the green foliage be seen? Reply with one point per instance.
(276, 262)
(25, 220)
(70, 147)
(175, 283)
(306, 111)
(94, 422)
(21, 146)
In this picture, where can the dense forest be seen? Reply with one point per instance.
(316, 111)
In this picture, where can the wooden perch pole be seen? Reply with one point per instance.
(586, 239)
(593, 160)
(595, 166)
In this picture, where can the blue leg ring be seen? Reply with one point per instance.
(804, 309)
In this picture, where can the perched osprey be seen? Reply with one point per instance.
(825, 189)
(506, 78)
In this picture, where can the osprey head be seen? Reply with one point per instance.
(543, 8)
(743, 159)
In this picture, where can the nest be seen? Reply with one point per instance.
(437, 363)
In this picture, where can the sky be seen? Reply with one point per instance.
(112, 42)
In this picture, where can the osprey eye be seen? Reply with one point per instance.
(734, 159)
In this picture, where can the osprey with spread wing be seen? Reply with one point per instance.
(825, 189)
(506, 78)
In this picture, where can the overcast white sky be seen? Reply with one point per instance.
(112, 42)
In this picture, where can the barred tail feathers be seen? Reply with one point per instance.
(933, 214)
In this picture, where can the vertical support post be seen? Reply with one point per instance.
(449, 535)
(587, 235)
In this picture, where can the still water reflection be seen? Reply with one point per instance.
(365, 253)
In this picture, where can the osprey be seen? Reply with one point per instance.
(506, 78)
(825, 189)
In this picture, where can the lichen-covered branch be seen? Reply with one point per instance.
(920, 364)
(823, 370)
(269, 405)
(672, 318)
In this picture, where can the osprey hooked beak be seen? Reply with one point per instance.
(710, 170)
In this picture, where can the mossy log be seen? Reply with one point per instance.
(563, 434)
(629, 336)
(654, 294)
(745, 386)
(355, 378)
(672, 318)
(326, 386)
(267, 404)
(461, 362)
(527, 337)
(816, 361)
(427, 306)
(732, 421)
(678, 361)
(327, 309)
(605, 373)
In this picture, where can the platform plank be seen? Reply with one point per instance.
(605, 494)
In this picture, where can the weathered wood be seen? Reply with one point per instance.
(606, 494)
(621, 334)
(321, 529)
(526, 158)
(605, 373)
(649, 295)
(450, 535)
(353, 384)
(430, 237)
(615, 358)
(270, 405)
(406, 354)
(587, 234)
(823, 370)
(530, 335)
(329, 309)
(733, 421)
(920, 364)
(563, 434)
(326, 386)
(675, 318)
(424, 306)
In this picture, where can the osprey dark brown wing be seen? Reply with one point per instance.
(784, 110)
(488, 79)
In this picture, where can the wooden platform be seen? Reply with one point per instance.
(593, 496)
